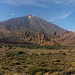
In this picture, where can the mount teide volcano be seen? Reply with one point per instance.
(31, 29)
(31, 23)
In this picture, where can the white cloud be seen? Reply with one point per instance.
(71, 1)
(24, 2)
(40, 3)
(63, 1)
(52, 19)
(64, 15)
(13, 14)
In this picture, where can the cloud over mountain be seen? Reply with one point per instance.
(40, 3)
(63, 15)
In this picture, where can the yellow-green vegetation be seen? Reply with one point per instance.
(20, 60)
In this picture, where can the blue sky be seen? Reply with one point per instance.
(59, 12)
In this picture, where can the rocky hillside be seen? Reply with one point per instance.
(31, 23)
(67, 39)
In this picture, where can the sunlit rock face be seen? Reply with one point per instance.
(30, 16)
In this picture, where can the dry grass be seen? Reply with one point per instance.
(19, 60)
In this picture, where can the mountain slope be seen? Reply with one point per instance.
(31, 23)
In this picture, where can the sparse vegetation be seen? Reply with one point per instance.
(20, 59)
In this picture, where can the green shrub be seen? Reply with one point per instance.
(20, 52)
(19, 70)
(49, 53)
(10, 46)
(63, 53)
(0, 46)
(34, 54)
(71, 71)
(42, 53)
(39, 73)
(57, 73)
(1, 73)
(56, 60)
(10, 54)
(35, 69)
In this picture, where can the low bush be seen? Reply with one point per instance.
(39, 73)
(20, 52)
(35, 69)
(71, 71)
